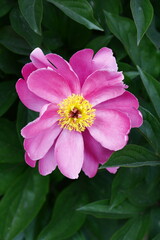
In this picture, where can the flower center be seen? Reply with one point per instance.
(76, 113)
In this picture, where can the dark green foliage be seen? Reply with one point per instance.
(132, 156)
(142, 12)
(125, 206)
(66, 220)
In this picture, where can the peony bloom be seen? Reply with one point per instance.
(85, 112)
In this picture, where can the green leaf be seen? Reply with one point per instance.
(134, 229)
(8, 61)
(157, 237)
(121, 187)
(151, 129)
(65, 219)
(144, 193)
(22, 28)
(21, 203)
(6, 5)
(99, 42)
(132, 156)
(124, 29)
(10, 148)
(8, 174)
(53, 17)
(43, 217)
(29, 232)
(74, 35)
(152, 87)
(102, 209)
(19, 236)
(154, 225)
(113, 6)
(50, 41)
(153, 34)
(126, 67)
(80, 11)
(12, 41)
(93, 189)
(131, 75)
(142, 12)
(100, 228)
(78, 236)
(7, 95)
(128, 71)
(32, 11)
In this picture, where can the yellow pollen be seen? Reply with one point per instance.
(76, 113)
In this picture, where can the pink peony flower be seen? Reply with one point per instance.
(85, 111)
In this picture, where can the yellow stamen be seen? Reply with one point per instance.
(76, 113)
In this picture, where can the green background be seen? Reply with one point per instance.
(125, 206)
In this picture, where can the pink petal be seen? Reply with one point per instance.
(103, 94)
(112, 169)
(126, 100)
(29, 161)
(103, 85)
(65, 70)
(27, 70)
(135, 116)
(110, 129)
(94, 154)
(104, 59)
(46, 120)
(38, 146)
(29, 99)
(126, 103)
(90, 166)
(69, 153)
(47, 164)
(49, 85)
(107, 154)
(83, 62)
(102, 78)
(38, 59)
